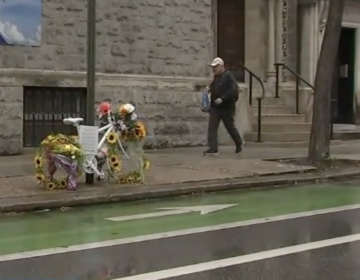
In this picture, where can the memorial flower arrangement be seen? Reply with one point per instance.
(133, 132)
(115, 164)
(130, 131)
(58, 150)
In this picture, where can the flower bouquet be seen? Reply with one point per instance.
(131, 132)
(59, 150)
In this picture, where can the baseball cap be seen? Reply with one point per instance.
(217, 61)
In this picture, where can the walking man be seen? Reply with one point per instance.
(223, 95)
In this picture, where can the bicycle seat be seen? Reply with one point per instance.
(73, 120)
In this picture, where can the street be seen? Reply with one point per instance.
(307, 232)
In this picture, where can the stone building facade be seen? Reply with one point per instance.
(153, 52)
(156, 53)
(346, 83)
(145, 37)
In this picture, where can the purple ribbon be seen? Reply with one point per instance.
(70, 167)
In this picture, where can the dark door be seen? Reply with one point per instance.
(46, 107)
(344, 78)
(231, 34)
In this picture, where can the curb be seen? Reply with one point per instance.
(55, 201)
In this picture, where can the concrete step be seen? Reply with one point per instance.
(268, 101)
(300, 144)
(283, 127)
(346, 135)
(278, 137)
(297, 144)
(273, 110)
(281, 118)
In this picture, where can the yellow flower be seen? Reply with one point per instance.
(147, 164)
(111, 138)
(51, 186)
(63, 183)
(116, 166)
(140, 131)
(62, 140)
(129, 179)
(74, 138)
(40, 178)
(113, 158)
(38, 161)
(67, 148)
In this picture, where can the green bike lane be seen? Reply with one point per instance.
(43, 230)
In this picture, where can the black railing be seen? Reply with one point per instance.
(298, 78)
(259, 99)
(332, 106)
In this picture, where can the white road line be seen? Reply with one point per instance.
(114, 242)
(201, 267)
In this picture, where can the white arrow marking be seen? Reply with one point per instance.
(203, 209)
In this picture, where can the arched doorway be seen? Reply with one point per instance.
(231, 34)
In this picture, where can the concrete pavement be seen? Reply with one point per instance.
(22, 165)
(173, 172)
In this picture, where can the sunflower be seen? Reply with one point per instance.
(116, 166)
(62, 140)
(113, 158)
(140, 131)
(129, 179)
(63, 183)
(38, 161)
(51, 186)
(111, 138)
(146, 164)
(74, 139)
(51, 137)
(40, 178)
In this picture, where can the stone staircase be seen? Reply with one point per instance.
(279, 124)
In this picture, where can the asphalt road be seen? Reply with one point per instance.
(311, 245)
(121, 261)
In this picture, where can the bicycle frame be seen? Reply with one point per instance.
(107, 128)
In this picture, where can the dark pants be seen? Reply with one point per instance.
(226, 115)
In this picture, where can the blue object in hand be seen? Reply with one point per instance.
(205, 103)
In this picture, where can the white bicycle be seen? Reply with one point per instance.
(93, 163)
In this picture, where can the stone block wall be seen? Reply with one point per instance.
(11, 119)
(256, 12)
(142, 43)
(170, 107)
(157, 37)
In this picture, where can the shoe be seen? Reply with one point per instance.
(211, 152)
(239, 148)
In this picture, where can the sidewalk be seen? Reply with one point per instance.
(172, 166)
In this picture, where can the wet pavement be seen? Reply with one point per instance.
(331, 263)
(310, 232)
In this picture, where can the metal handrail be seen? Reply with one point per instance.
(297, 86)
(298, 77)
(253, 75)
(277, 65)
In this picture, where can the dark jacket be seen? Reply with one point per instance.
(225, 87)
